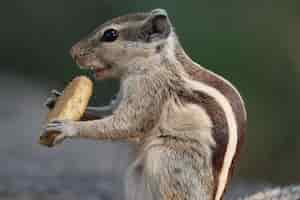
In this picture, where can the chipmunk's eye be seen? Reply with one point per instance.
(110, 35)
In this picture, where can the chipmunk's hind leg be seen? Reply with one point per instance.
(177, 173)
(135, 184)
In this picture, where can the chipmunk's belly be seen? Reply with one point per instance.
(192, 125)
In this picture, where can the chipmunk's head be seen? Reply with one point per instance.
(123, 42)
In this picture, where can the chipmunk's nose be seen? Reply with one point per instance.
(75, 51)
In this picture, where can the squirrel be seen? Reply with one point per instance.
(189, 123)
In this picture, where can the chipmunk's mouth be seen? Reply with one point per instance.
(98, 69)
(99, 72)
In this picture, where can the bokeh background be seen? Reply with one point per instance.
(255, 44)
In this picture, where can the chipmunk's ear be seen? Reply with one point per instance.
(157, 26)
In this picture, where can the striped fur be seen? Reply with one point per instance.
(189, 121)
(181, 112)
(233, 106)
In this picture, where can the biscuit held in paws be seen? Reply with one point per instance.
(70, 106)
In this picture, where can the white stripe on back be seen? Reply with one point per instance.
(232, 131)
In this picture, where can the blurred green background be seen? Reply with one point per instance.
(255, 44)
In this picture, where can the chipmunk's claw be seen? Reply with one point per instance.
(65, 128)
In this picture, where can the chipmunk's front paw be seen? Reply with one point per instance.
(65, 128)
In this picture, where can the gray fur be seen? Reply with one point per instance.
(156, 26)
(160, 107)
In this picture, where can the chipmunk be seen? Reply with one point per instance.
(189, 122)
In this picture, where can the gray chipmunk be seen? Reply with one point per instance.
(189, 123)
